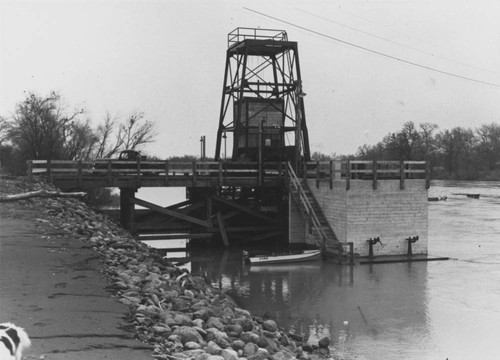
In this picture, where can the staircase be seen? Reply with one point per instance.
(331, 241)
(311, 210)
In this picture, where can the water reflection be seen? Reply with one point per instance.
(422, 311)
(362, 309)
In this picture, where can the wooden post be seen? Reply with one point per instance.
(110, 176)
(139, 171)
(166, 172)
(374, 174)
(348, 175)
(317, 174)
(222, 229)
(331, 174)
(79, 180)
(49, 171)
(402, 175)
(127, 208)
(194, 172)
(427, 174)
(30, 169)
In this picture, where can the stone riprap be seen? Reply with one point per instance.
(180, 314)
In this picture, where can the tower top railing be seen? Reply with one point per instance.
(242, 33)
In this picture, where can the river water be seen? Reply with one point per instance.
(421, 311)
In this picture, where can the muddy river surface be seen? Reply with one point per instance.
(418, 311)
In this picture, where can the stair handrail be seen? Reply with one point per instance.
(295, 182)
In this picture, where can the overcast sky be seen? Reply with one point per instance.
(167, 59)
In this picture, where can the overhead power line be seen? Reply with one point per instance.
(373, 51)
(394, 42)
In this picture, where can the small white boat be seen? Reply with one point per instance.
(272, 258)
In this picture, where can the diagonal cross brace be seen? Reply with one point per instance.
(244, 209)
(172, 213)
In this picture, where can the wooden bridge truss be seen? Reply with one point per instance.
(241, 202)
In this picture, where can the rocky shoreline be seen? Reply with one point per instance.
(181, 315)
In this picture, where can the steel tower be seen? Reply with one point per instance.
(262, 108)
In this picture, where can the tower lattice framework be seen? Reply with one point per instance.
(262, 108)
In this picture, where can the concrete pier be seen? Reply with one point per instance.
(388, 212)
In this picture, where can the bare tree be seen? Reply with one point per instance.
(132, 134)
(107, 144)
(81, 141)
(137, 131)
(489, 144)
(40, 127)
(371, 152)
(427, 139)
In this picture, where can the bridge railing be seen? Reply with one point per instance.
(110, 169)
(330, 171)
(220, 172)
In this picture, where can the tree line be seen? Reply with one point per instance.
(42, 129)
(460, 153)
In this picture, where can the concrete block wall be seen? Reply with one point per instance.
(388, 212)
(333, 202)
(299, 229)
(296, 223)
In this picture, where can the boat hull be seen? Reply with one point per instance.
(306, 255)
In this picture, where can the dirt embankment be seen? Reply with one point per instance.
(174, 314)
